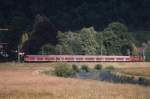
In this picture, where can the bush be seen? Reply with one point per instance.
(64, 70)
(143, 81)
(75, 68)
(131, 79)
(85, 68)
(98, 67)
(110, 68)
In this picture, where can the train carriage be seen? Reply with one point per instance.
(81, 58)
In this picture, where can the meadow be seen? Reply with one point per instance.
(25, 81)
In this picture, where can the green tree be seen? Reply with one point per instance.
(82, 42)
(63, 46)
(118, 40)
(75, 44)
(101, 50)
(111, 43)
(88, 41)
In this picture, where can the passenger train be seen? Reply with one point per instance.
(81, 58)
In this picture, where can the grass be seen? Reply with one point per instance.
(22, 81)
(140, 71)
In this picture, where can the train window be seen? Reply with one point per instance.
(99, 58)
(79, 58)
(39, 58)
(89, 59)
(120, 58)
(69, 58)
(110, 59)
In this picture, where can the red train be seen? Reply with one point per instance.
(81, 58)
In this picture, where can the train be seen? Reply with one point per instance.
(81, 58)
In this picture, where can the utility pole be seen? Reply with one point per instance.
(144, 54)
(101, 44)
(18, 52)
(128, 51)
(42, 51)
(60, 50)
(144, 48)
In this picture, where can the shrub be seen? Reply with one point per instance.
(98, 67)
(85, 68)
(75, 68)
(130, 79)
(64, 70)
(143, 81)
(110, 68)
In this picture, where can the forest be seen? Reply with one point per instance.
(109, 27)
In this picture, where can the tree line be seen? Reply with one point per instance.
(115, 39)
(45, 38)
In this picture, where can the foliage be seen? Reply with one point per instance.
(81, 13)
(85, 68)
(43, 33)
(64, 70)
(88, 41)
(144, 81)
(47, 49)
(75, 68)
(24, 39)
(63, 47)
(83, 42)
(18, 16)
(98, 67)
(117, 40)
(100, 40)
(114, 40)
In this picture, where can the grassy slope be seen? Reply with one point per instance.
(23, 81)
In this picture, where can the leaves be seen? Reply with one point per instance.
(88, 41)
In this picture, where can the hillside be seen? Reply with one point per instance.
(73, 15)
(41, 20)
